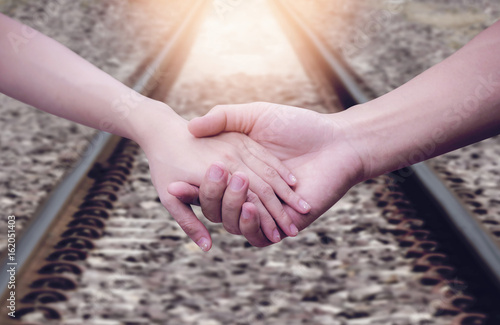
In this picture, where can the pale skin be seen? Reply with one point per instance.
(451, 105)
(43, 73)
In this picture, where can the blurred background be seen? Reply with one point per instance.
(341, 270)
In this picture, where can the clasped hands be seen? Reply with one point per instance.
(264, 170)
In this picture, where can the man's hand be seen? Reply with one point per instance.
(453, 104)
(315, 147)
(227, 201)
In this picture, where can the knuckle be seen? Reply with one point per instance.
(232, 230)
(282, 215)
(259, 243)
(208, 194)
(189, 227)
(242, 145)
(207, 197)
(211, 214)
(252, 198)
(229, 158)
(232, 205)
(289, 194)
(266, 190)
(270, 172)
(254, 149)
(261, 151)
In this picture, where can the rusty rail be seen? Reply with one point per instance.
(482, 248)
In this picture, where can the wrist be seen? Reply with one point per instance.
(348, 142)
(388, 135)
(151, 119)
(367, 134)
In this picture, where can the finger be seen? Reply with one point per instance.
(234, 197)
(188, 221)
(239, 118)
(271, 176)
(270, 160)
(212, 190)
(250, 226)
(267, 223)
(270, 201)
(184, 192)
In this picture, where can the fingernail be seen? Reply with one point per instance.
(293, 230)
(276, 236)
(293, 179)
(215, 174)
(203, 243)
(236, 183)
(304, 205)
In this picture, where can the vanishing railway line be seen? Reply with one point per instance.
(435, 199)
(437, 237)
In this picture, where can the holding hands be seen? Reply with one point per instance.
(64, 84)
(288, 165)
(315, 147)
(175, 155)
(451, 105)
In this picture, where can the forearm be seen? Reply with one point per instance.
(453, 104)
(43, 73)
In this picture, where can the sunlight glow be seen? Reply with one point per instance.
(246, 39)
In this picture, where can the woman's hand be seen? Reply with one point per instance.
(316, 147)
(175, 155)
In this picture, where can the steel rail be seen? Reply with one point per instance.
(147, 83)
(482, 245)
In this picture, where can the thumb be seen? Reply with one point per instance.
(225, 118)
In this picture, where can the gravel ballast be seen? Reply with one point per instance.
(38, 148)
(342, 270)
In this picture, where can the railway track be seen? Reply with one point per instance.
(424, 185)
(75, 214)
(55, 261)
